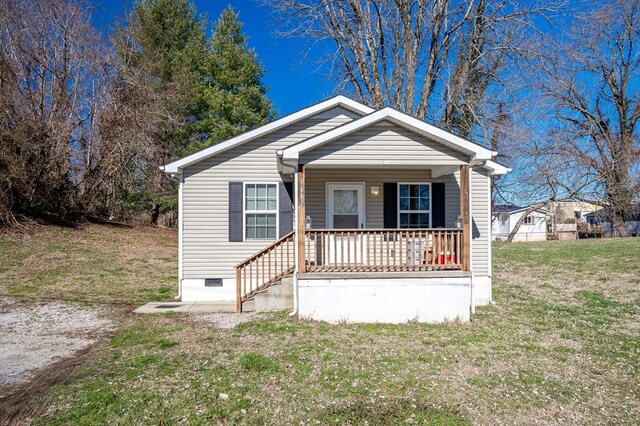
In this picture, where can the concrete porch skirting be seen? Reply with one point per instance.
(385, 297)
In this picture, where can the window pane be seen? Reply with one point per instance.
(424, 191)
(261, 197)
(424, 204)
(260, 226)
(404, 220)
(424, 220)
(414, 203)
(404, 190)
(404, 203)
(261, 232)
(413, 190)
(271, 232)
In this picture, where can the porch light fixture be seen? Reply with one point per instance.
(458, 221)
(307, 222)
(375, 190)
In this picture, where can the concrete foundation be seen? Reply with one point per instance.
(385, 297)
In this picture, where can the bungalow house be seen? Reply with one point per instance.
(534, 227)
(366, 215)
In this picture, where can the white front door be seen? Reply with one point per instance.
(345, 210)
(345, 205)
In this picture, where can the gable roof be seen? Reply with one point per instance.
(505, 208)
(522, 209)
(336, 101)
(476, 151)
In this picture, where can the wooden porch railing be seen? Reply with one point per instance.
(383, 249)
(265, 268)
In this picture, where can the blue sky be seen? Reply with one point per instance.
(292, 85)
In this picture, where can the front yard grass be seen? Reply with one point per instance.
(95, 263)
(560, 346)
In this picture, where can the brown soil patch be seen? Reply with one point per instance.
(16, 407)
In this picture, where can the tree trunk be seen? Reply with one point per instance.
(155, 214)
(617, 224)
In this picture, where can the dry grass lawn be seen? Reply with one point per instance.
(103, 264)
(560, 346)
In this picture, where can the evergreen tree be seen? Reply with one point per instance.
(194, 92)
(165, 43)
(235, 98)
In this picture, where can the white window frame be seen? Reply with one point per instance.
(245, 212)
(414, 211)
(362, 201)
(529, 220)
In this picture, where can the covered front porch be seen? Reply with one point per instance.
(382, 220)
(405, 226)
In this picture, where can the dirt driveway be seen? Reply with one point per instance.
(40, 344)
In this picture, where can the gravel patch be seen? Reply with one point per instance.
(224, 319)
(34, 336)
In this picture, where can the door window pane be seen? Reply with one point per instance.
(345, 201)
(345, 208)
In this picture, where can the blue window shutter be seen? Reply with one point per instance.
(437, 205)
(390, 194)
(235, 211)
(285, 208)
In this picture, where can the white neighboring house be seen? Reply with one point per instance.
(505, 217)
(369, 215)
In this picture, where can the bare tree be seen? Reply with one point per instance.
(72, 130)
(44, 78)
(447, 61)
(591, 79)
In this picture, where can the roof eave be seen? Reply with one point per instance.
(336, 101)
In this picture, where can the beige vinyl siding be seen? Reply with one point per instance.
(384, 143)
(316, 180)
(481, 224)
(207, 251)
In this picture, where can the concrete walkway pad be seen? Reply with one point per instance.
(199, 307)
